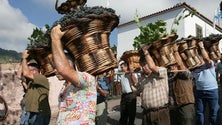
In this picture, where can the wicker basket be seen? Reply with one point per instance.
(188, 50)
(187, 43)
(162, 50)
(164, 40)
(98, 61)
(88, 43)
(132, 57)
(87, 39)
(164, 56)
(44, 57)
(191, 57)
(213, 50)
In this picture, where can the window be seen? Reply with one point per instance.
(199, 31)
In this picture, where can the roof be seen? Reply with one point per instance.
(179, 5)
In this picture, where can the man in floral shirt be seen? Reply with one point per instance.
(78, 105)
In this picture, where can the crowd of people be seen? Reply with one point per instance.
(172, 95)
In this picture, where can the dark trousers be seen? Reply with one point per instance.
(127, 109)
(183, 115)
(157, 117)
(37, 119)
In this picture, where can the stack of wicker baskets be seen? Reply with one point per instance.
(162, 50)
(211, 45)
(188, 50)
(87, 39)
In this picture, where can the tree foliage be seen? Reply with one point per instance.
(149, 33)
(39, 38)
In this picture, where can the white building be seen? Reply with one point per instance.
(197, 25)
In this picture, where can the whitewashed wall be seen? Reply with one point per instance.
(190, 27)
(186, 27)
(128, 32)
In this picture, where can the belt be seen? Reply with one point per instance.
(156, 109)
(100, 100)
(128, 93)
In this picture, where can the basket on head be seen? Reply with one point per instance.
(191, 58)
(97, 61)
(87, 39)
(161, 50)
(132, 57)
(44, 58)
(212, 48)
(188, 50)
(164, 55)
(164, 40)
(187, 43)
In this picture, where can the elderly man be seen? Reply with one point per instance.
(155, 91)
(36, 97)
(206, 89)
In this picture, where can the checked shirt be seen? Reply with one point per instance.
(155, 90)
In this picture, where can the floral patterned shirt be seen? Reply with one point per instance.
(78, 107)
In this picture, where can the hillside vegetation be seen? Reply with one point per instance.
(9, 56)
(12, 56)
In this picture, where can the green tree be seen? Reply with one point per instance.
(39, 38)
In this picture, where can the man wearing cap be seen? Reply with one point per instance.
(180, 79)
(206, 90)
(181, 96)
(155, 91)
(37, 103)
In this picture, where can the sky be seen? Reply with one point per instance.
(18, 18)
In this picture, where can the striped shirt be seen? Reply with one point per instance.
(155, 90)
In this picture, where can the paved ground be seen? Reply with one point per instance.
(114, 112)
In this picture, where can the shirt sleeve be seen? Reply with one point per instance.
(104, 83)
(162, 72)
(185, 75)
(163, 75)
(219, 68)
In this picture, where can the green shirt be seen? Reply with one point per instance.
(37, 95)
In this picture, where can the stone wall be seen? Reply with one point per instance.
(12, 91)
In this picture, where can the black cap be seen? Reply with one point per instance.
(33, 63)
